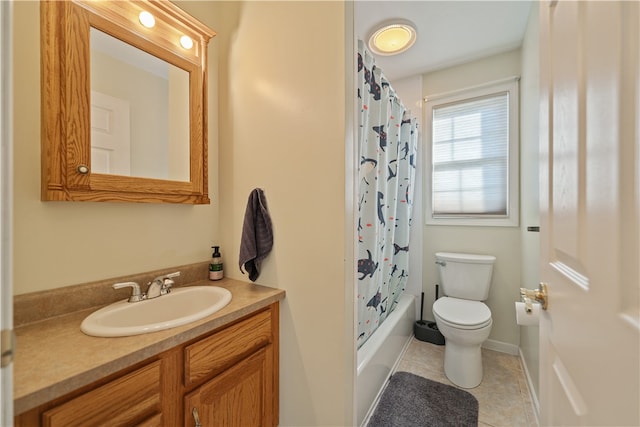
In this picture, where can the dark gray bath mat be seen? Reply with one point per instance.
(410, 400)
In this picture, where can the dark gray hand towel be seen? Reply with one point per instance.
(257, 234)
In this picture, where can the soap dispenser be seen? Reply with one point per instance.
(215, 267)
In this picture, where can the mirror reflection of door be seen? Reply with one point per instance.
(158, 97)
(110, 130)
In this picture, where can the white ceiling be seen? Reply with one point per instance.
(449, 32)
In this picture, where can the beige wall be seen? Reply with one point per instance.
(530, 98)
(502, 242)
(282, 128)
(276, 121)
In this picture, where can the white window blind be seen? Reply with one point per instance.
(470, 158)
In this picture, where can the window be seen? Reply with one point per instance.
(473, 154)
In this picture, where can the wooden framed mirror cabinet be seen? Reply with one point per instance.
(124, 102)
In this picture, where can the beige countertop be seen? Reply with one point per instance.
(53, 357)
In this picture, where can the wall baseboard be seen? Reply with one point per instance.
(532, 392)
(502, 347)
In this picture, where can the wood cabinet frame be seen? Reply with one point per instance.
(65, 109)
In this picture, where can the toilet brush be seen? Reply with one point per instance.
(421, 322)
(427, 331)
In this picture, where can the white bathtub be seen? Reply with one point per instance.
(381, 352)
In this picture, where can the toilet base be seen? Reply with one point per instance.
(463, 364)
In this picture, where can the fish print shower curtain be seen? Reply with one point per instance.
(387, 142)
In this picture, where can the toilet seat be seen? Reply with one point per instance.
(461, 313)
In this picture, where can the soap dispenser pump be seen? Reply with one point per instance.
(215, 267)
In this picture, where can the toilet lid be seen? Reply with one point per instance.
(461, 311)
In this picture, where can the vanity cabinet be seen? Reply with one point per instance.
(229, 377)
(239, 363)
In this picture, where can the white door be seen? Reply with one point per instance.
(590, 231)
(110, 135)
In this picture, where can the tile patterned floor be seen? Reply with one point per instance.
(503, 395)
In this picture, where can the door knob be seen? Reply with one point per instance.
(539, 295)
(196, 417)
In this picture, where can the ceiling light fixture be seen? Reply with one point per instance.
(392, 38)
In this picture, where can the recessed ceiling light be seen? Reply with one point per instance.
(393, 38)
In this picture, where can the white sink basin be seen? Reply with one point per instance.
(181, 306)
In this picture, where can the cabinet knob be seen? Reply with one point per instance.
(196, 418)
(83, 169)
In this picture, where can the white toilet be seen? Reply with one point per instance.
(461, 316)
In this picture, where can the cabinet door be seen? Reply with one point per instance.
(241, 396)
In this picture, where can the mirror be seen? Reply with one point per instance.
(139, 105)
(123, 102)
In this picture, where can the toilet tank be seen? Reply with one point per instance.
(466, 276)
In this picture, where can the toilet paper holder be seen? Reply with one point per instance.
(539, 295)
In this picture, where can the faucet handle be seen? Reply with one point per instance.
(136, 295)
(167, 283)
(166, 286)
(164, 277)
(161, 285)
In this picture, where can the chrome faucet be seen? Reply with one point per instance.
(159, 286)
